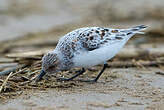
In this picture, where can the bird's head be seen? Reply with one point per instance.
(50, 64)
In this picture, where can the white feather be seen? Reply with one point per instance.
(98, 56)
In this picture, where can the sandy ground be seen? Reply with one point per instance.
(117, 89)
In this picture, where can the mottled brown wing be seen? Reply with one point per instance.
(95, 38)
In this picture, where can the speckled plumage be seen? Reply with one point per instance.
(86, 47)
(89, 39)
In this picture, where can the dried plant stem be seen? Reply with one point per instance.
(118, 64)
(5, 81)
(19, 71)
(2, 97)
(1, 80)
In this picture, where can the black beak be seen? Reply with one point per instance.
(42, 73)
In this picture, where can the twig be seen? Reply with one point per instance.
(2, 97)
(10, 61)
(32, 79)
(132, 64)
(1, 80)
(5, 81)
(12, 69)
(160, 73)
(140, 52)
(19, 71)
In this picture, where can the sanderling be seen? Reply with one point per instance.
(86, 47)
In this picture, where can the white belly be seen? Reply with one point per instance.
(97, 56)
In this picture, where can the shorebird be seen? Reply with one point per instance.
(86, 47)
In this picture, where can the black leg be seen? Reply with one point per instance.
(76, 75)
(98, 76)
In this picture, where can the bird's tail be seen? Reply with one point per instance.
(138, 29)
